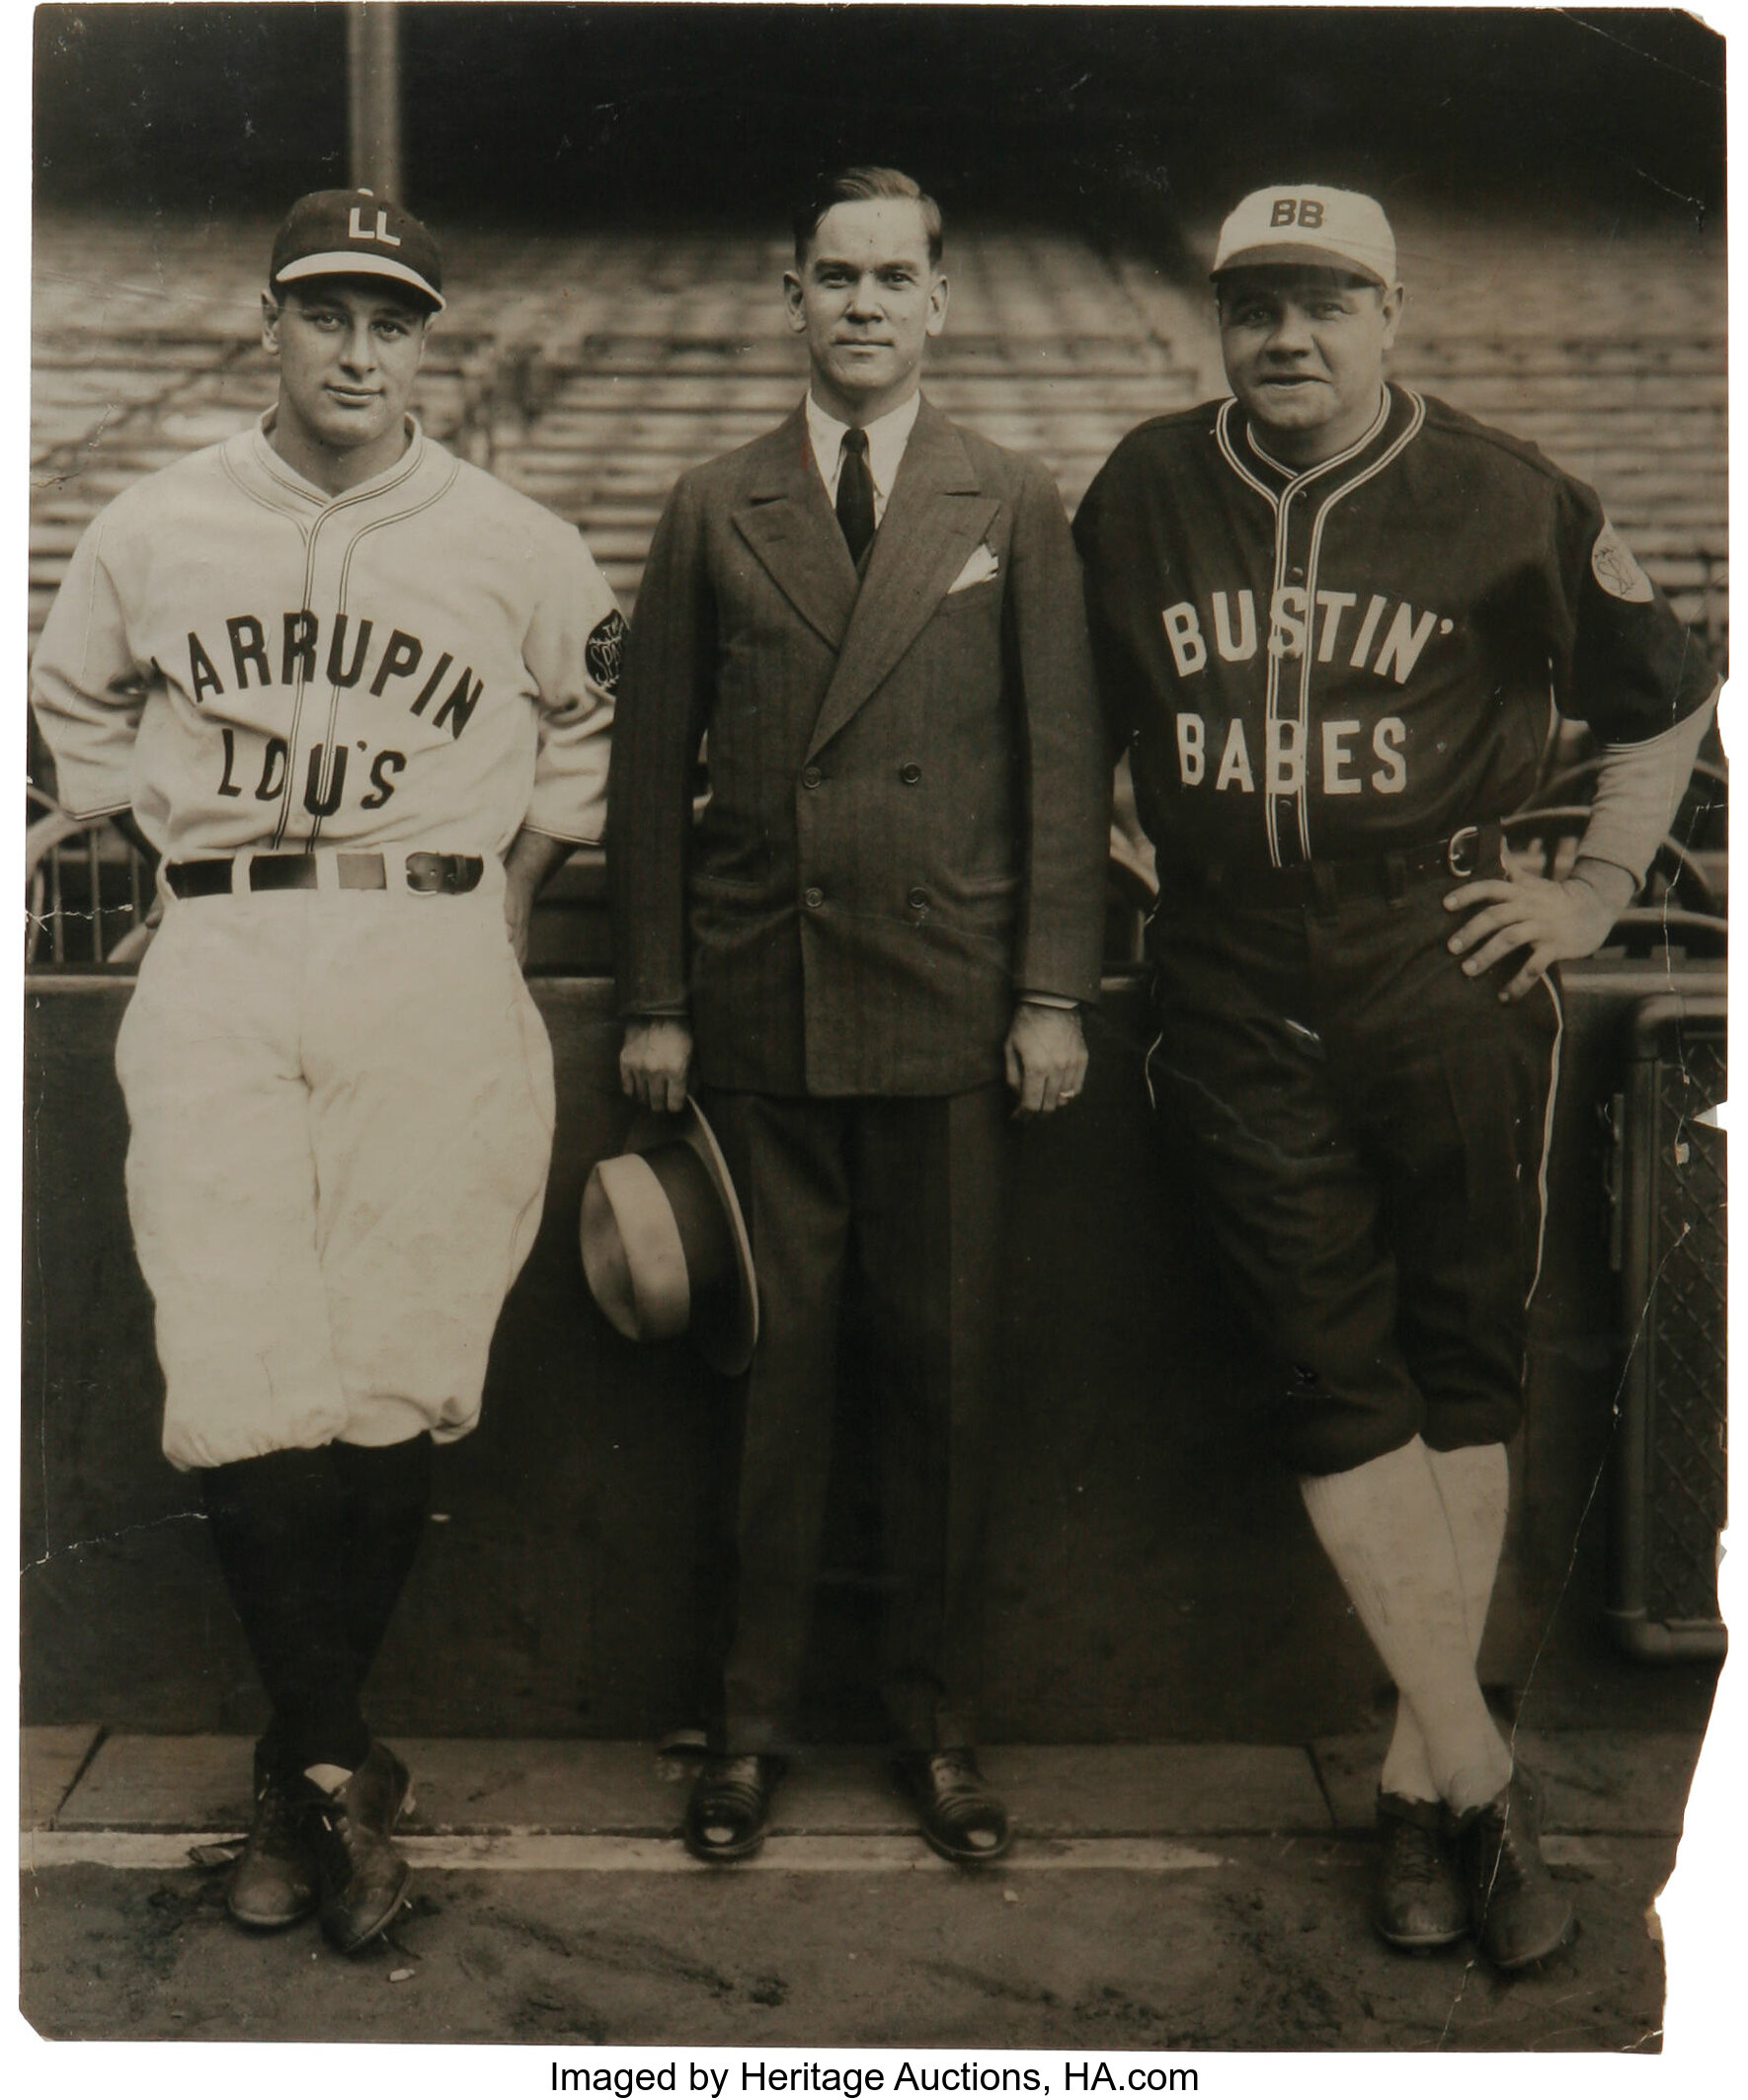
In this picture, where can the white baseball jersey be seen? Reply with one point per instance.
(249, 663)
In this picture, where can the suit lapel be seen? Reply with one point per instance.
(936, 516)
(784, 518)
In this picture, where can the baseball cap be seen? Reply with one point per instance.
(1305, 222)
(356, 233)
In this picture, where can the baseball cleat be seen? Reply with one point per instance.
(1519, 1915)
(274, 1883)
(1419, 1899)
(363, 1878)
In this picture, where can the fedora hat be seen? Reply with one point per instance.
(665, 1247)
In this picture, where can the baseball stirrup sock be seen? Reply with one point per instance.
(277, 1523)
(1475, 1485)
(385, 1492)
(1385, 1530)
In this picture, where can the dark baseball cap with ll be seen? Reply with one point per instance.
(355, 233)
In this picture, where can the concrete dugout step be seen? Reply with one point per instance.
(1604, 1783)
(202, 1783)
(49, 1760)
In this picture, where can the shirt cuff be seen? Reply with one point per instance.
(1050, 999)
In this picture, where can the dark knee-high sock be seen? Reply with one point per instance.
(386, 1498)
(277, 1523)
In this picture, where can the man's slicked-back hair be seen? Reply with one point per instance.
(857, 186)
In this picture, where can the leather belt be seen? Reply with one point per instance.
(426, 875)
(1472, 853)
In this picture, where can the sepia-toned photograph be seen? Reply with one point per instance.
(874, 1014)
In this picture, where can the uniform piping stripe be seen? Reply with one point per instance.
(265, 461)
(1297, 484)
(1230, 452)
(295, 485)
(1271, 700)
(416, 459)
(375, 524)
(295, 512)
(1417, 417)
(284, 816)
(1559, 1029)
(1271, 666)
(1302, 475)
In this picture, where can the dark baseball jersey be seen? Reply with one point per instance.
(1369, 654)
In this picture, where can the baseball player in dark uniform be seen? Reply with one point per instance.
(356, 694)
(1335, 622)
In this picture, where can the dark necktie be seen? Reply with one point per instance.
(855, 494)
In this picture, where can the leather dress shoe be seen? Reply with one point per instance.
(1420, 1898)
(274, 1881)
(962, 1817)
(363, 1878)
(729, 1808)
(1518, 1912)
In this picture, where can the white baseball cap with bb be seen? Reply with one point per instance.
(1307, 223)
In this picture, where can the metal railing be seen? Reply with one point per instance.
(88, 892)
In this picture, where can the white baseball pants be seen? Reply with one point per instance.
(341, 1112)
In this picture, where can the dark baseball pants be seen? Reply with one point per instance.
(1366, 1128)
(900, 1201)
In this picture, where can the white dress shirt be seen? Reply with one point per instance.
(886, 437)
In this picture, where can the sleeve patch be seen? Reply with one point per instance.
(605, 646)
(1613, 565)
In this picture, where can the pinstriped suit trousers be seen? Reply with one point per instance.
(899, 1201)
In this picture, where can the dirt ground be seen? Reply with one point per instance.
(1267, 1951)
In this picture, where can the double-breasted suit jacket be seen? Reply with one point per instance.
(908, 795)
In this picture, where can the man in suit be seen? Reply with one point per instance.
(867, 955)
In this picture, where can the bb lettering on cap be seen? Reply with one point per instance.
(1309, 223)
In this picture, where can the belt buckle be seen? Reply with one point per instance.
(1470, 837)
(430, 874)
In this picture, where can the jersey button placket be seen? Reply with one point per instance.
(1294, 671)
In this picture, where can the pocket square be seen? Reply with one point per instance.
(978, 568)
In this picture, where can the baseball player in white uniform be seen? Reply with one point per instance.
(356, 695)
